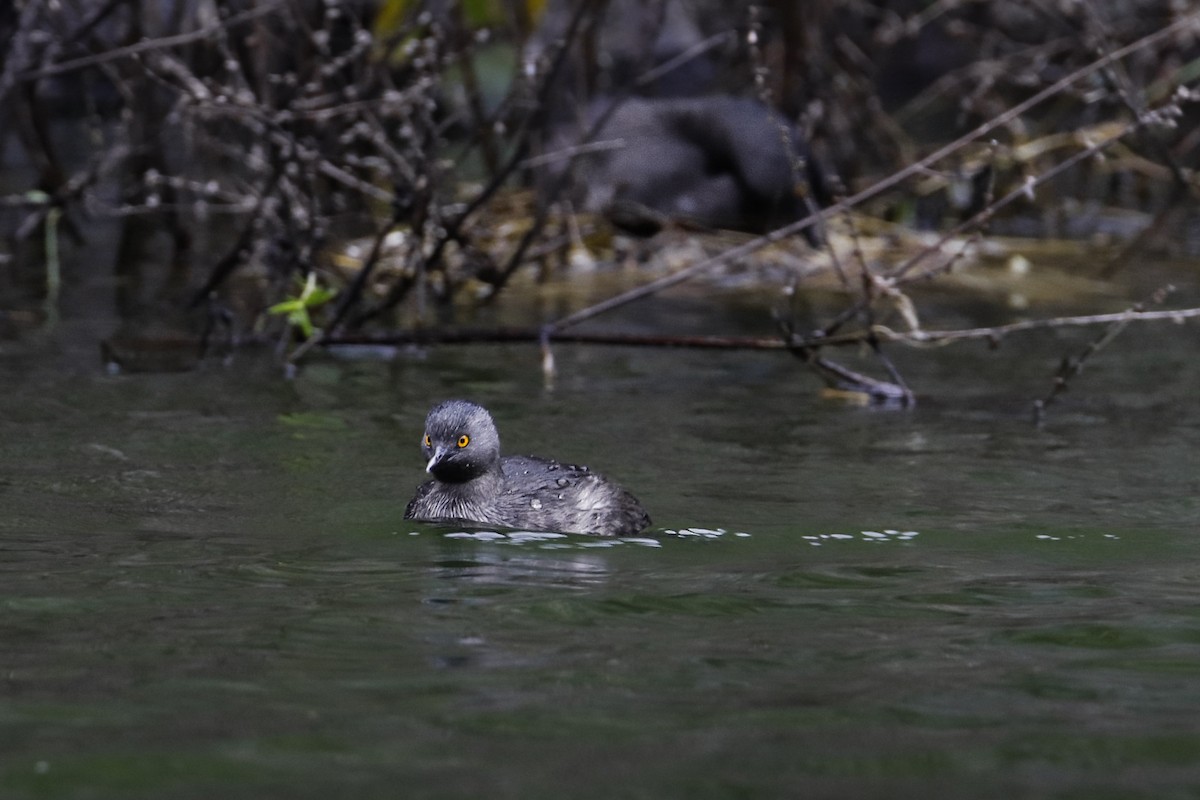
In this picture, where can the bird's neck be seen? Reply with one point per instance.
(470, 499)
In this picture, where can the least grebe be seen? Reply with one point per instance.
(472, 482)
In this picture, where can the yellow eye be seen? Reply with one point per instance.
(464, 440)
(428, 441)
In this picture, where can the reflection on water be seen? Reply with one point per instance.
(551, 541)
(208, 588)
(562, 541)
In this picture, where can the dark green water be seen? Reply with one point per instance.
(207, 589)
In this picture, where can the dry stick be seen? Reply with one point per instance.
(284, 142)
(350, 294)
(1069, 367)
(1149, 233)
(833, 374)
(899, 276)
(675, 62)
(553, 328)
(998, 332)
(586, 144)
(424, 337)
(866, 278)
(452, 228)
(160, 43)
(923, 338)
(1135, 101)
(898, 385)
(242, 248)
(230, 106)
(85, 30)
(227, 104)
(920, 338)
(20, 46)
(483, 125)
(841, 378)
(1181, 187)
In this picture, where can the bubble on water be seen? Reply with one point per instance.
(706, 533)
(482, 536)
(871, 537)
(535, 536)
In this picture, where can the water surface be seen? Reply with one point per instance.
(207, 588)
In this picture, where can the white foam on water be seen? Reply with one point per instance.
(1048, 537)
(553, 541)
(535, 536)
(870, 537)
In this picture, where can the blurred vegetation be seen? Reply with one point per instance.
(382, 155)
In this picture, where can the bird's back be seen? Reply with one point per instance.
(542, 494)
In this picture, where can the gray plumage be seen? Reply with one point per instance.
(472, 482)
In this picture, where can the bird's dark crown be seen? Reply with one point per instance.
(460, 441)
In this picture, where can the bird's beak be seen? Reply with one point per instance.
(435, 459)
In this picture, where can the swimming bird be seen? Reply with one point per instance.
(472, 482)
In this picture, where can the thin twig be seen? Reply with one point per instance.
(880, 332)
(160, 43)
(1070, 367)
(995, 333)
